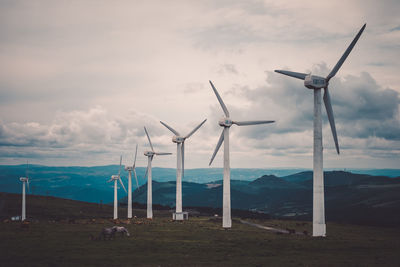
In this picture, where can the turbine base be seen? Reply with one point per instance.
(180, 216)
(319, 229)
(226, 223)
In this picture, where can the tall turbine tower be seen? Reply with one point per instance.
(150, 154)
(24, 180)
(226, 123)
(316, 83)
(130, 169)
(180, 167)
(117, 178)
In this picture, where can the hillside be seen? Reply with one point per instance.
(89, 183)
(350, 197)
(59, 232)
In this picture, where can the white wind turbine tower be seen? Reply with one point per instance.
(226, 122)
(130, 169)
(150, 154)
(316, 83)
(180, 169)
(24, 180)
(117, 178)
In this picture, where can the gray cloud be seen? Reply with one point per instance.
(362, 108)
(367, 116)
(227, 69)
(395, 29)
(72, 74)
(193, 88)
(92, 131)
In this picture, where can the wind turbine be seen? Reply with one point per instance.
(316, 83)
(130, 169)
(116, 178)
(24, 180)
(226, 122)
(150, 154)
(180, 169)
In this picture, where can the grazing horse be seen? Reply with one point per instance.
(121, 229)
(107, 233)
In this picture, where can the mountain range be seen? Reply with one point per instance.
(349, 197)
(355, 198)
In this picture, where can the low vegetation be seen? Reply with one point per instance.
(59, 234)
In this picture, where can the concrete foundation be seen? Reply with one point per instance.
(180, 216)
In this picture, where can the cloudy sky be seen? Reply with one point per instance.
(80, 79)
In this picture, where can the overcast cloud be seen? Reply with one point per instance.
(80, 79)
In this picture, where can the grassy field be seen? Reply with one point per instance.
(59, 232)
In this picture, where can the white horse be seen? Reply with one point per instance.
(121, 229)
(106, 233)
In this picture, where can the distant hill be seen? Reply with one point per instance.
(89, 183)
(350, 197)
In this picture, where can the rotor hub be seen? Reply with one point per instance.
(149, 153)
(178, 139)
(225, 122)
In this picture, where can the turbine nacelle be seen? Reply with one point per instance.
(129, 168)
(23, 179)
(315, 82)
(178, 139)
(225, 122)
(149, 153)
(114, 177)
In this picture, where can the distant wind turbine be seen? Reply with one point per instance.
(24, 180)
(226, 123)
(316, 83)
(150, 154)
(180, 169)
(116, 178)
(130, 169)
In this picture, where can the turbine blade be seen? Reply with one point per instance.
(345, 54)
(243, 123)
(297, 75)
(148, 137)
(109, 180)
(26, 171)
(221, 139)
(137, 183)
(183, 158)
(220, 100)
(329, 111)
(134, 161)
(170, 128)
(120, 181)
(120, 163)
(195, 129)
(27, 185)
(162, 153)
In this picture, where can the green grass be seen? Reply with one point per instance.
(199, 241)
